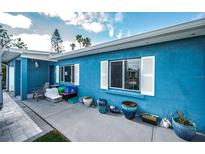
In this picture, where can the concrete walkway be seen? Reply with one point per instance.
(80, 123)
(15, 124)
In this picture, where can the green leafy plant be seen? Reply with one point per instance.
(182, 119)
(87, 97)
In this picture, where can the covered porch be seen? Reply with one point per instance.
(25, 70)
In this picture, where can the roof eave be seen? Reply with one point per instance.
(186, 30)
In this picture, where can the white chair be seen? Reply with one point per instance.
(53, 95)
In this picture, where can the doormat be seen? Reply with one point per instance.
(73, 100)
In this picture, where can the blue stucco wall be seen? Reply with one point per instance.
(17, 78)
(37, 76)
(23, 79)
(179, 78)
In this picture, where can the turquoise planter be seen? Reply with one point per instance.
(184, 132)
(102, 105)
(129, 109)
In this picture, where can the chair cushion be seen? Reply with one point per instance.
(52, 93)
(60, 90)
(70, 89)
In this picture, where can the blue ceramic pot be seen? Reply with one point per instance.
(185, 132)
(129, 109)
(102, 105)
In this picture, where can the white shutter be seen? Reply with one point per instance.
(104, 75)
(77, 75)
(57, 74)
(147, 75)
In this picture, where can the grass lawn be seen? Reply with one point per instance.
(52, 136)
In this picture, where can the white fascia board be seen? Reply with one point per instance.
(37, 57)
(180, 31)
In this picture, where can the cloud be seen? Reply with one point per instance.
(111, 30)
(90, 21)
(199, 16)
(119, 17)
(65, 16)
(36, 41)
(128, 34)
(15, 21)
(43, 42)
(119, 35)
(93, 26)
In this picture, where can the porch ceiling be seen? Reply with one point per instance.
(9, 55)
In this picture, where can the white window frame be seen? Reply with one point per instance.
(123, 75)
(57, 75)
(72, 75)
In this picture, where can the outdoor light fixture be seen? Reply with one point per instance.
(36, 64)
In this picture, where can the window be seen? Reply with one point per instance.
(67, 73)
(62, 74)
(125, 74)
(116, 74)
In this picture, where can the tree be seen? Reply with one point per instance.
(73, 46)
(6, 41)
(5, 38)
(57, 42)
(79, 38)
(19, 44)
(86, 42)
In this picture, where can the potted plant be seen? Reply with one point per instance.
(183, 127)
(87, 100)
(149, 118)
(129, 109)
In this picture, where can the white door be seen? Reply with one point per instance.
(11, 78)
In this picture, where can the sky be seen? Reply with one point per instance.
(36, 28)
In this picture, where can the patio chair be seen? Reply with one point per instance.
(40, 91)
(53, 95)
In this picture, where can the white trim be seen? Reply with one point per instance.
(104, 73)
(11, 78)
(57, 74)
(77, 74)
(152, 76)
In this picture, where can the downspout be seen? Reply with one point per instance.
(1, 92)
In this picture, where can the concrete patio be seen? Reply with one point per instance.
(15, 124)
(80, 123)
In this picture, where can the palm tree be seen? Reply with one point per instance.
(86, 42)
(73, 46)
(79, 38)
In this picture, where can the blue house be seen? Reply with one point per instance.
(162, 70)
